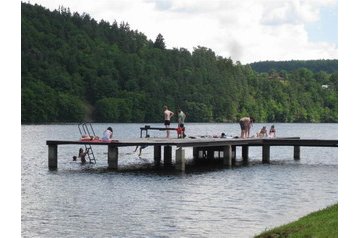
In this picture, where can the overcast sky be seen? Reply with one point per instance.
(244, 30)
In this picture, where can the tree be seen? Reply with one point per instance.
(199, 112)
(38, 103)
(106, 110)
(70, 63)
(159, 42)
(72, 108)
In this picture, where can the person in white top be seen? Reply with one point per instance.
(167, 115)
(181, 119)
(107, 134)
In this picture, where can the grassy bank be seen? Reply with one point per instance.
(323, 223)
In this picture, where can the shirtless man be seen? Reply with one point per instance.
(167, 115)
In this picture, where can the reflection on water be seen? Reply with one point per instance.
(141, 200)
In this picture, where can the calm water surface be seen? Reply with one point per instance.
(139, 201)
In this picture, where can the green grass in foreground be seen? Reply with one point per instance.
(323, 223)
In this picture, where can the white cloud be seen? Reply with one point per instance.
(245, 30)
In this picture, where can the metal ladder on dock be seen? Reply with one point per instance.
(84, 130)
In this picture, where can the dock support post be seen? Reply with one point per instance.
(227, 156)
(245, 153)
(195, 152)
(112, 157)
(296, 152)
(167, 155)
(210, 153)
(233, 149)
(52, 157)
(201, 153)
(180, 159)
(265, 154)
(233, 158)
(157, 154)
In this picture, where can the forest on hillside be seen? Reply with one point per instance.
(75, 69)
(328, 66)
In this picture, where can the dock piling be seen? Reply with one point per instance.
(296, 152)
(265, 154)
(195, 152)
(180, 159)
(245, 154)
(112, 157)
(52, 157)
(228, 155)
(167, 155)
(210, 153)
(157, 154)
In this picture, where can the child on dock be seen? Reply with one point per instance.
(181, 128)
(272, 132)
(262, 133)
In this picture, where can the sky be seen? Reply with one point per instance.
(243, 30)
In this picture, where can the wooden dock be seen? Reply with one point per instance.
(202, 148)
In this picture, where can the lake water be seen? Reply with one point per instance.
(139, 201)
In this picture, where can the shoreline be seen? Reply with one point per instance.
(321, 223)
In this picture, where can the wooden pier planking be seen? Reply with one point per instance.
(227, 145)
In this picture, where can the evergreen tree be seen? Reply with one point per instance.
(159, 42)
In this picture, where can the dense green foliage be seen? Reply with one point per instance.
(329, 66)
(75, 68)
(321, 224)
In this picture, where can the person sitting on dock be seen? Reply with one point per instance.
(89, 138)
(82, 154)
(107, 134)
(272, 132)
(262, 133)
(245, 125)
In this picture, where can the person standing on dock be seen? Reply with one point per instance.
(181, 119)
(167, 115)
(246, 124)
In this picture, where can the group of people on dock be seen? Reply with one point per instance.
(246, 124)
(181, 118)
(107, 136)
(263, 132)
